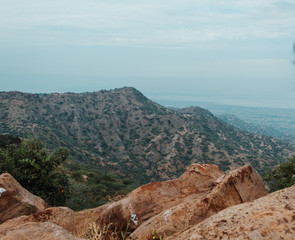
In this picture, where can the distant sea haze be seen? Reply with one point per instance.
(207, 102)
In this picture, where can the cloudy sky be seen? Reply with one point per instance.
(229, 52)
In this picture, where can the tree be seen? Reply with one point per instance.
(36, 169)
(282, 176)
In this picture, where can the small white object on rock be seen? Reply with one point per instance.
(167, 214)
(57, 233)
(134, 218)
(2, 190)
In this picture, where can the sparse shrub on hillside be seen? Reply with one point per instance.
(178, 146)
(133, 134)
(282, 176)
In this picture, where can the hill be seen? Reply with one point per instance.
(124, 132)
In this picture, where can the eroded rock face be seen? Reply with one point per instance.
(15, 200)
(32, 230)
(149, 200)
(239, 186)
(269, 217)
(61, 216)
(76, 223)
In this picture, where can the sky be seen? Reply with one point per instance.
(227, 52)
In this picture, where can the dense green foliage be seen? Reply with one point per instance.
(282, 176)
(36, 169)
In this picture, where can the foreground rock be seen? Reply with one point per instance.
(270, 217)
(239, 186)
(15, 200)
(34, 231)
(76, 223)
(149, 200)
(167, 207)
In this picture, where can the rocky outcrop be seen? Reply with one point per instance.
(168, 207)
(15, 200)
(34, 231)
(237, 187)
(149, 200)
(269, 217)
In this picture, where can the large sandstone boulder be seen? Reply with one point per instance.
(15, 200)
(149, 200)
(269, 217)
(37, 231)
(239, 186)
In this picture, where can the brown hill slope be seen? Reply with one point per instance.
(123, 131)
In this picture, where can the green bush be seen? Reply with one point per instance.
(36, 169)
(282, 176)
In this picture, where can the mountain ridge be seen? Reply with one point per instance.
(123, 131)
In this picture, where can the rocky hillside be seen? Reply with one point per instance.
(124, 132)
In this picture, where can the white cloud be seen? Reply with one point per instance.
(144, 22)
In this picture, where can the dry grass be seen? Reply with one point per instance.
(106, 232)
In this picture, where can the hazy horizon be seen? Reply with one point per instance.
(226, 52)
(183, 101)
